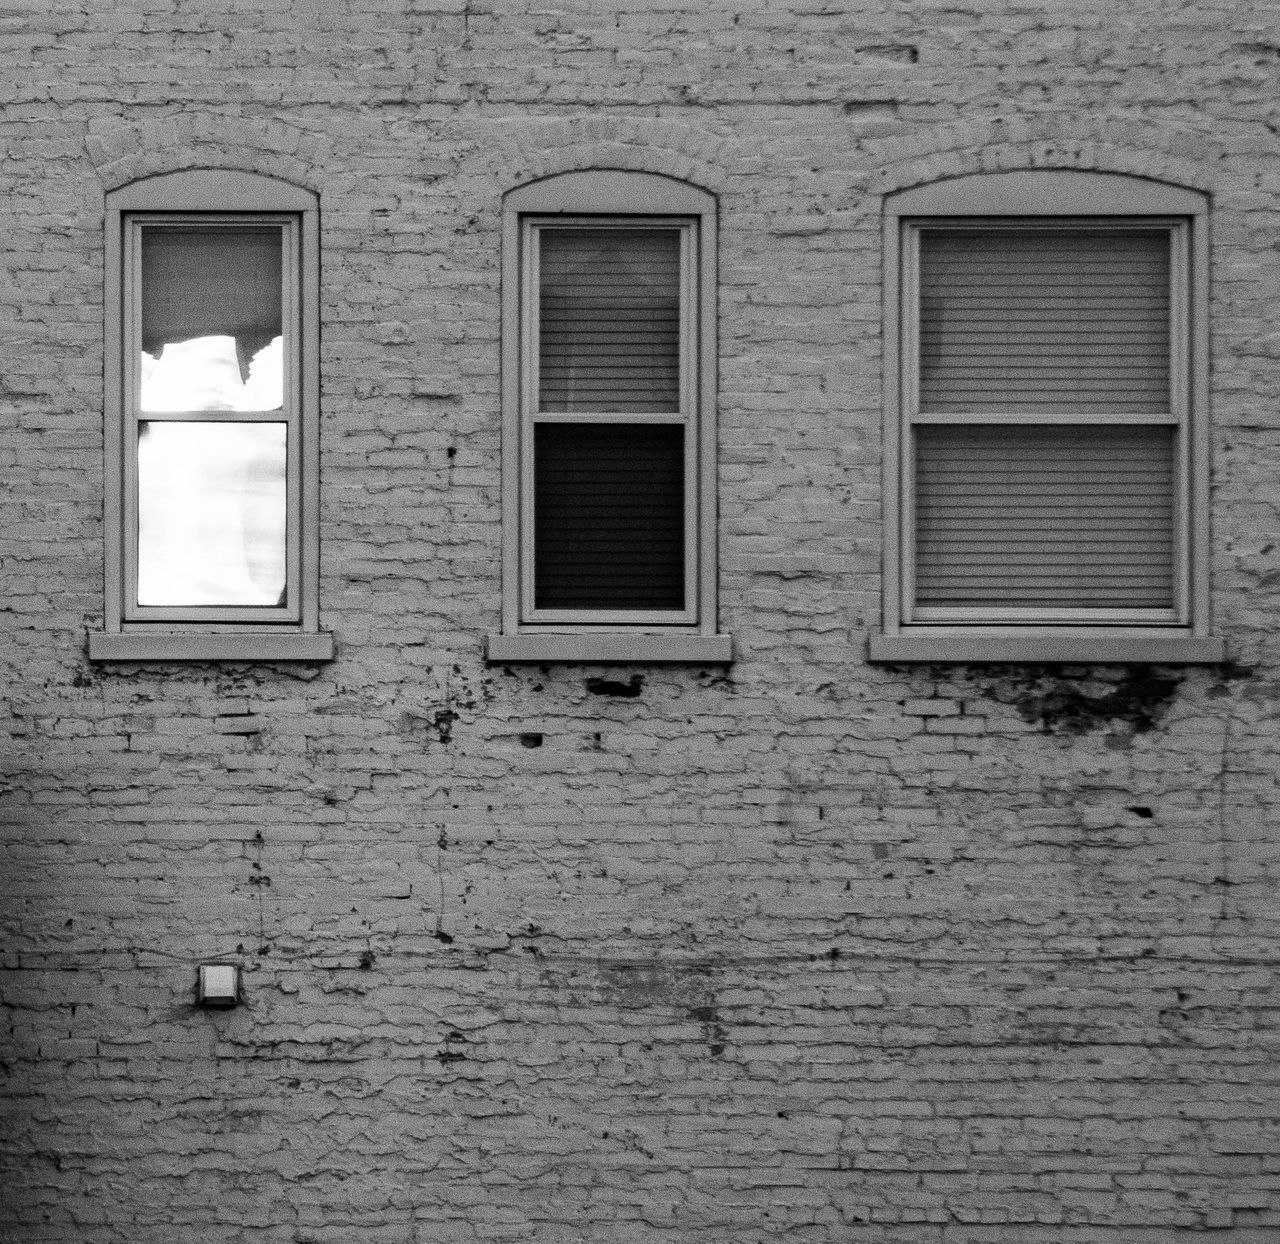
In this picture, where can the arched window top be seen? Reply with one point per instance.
(615, 191)
(1047, 192)
(211, 190)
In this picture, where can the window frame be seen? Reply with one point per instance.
(195, 198)
(1053, 199)
(532, 230)
(609, 199)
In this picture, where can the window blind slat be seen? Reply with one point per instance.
(1000, 523)
(1050, 320)
(609, 307)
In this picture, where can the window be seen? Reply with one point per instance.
(212, 420)
(609, 429)
(1046, 470)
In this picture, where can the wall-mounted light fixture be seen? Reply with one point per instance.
(218, 985)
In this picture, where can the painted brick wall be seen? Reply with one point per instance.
(801, 949)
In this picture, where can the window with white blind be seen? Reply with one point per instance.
(609, 397)
(212, 375)
(1047, 440)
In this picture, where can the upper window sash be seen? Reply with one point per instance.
(533, 228)
(287, 225)
(1178, 357)
(685, 413)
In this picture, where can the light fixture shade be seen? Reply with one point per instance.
(219, 985)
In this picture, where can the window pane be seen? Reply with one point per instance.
(609, 516)
(211, 513)
(1053, 320)
(212, 335)
(610, 320)
(1044, 516)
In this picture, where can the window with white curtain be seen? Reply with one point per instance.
(208, 419)
(1047, 421)
(212, 420)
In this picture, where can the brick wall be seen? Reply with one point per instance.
(801, 949)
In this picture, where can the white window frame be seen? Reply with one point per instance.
(196, 198)
(609, 199)
(1050, 199)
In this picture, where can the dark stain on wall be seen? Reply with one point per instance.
(713, 1031)
(609, 686)
(1133, 700)
(896, 53)
(438, 722)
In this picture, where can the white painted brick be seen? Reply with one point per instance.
(802, 949)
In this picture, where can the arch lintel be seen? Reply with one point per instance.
(212, 189)
(615, 191)
(1047, 192)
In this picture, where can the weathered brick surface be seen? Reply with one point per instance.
(804, 949)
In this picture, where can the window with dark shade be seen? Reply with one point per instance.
(608, 421)
(609, 528)
(609, 416)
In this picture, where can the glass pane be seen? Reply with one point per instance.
(1052, 320)
(211, 513)
(212, 334)
(1044, 517)
(609, 516)
(610, 320)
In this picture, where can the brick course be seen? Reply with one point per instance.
(801, 949)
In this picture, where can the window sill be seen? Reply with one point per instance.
(611, 648)
(1075, 647)
(209, 646)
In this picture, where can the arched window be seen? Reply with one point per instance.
(212, 418)
(1046, 434)
(609, 329)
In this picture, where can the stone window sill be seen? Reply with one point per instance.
(209, 646)
(1078, 646)
(611, 648)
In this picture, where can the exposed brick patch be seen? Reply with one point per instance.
(123, 153)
